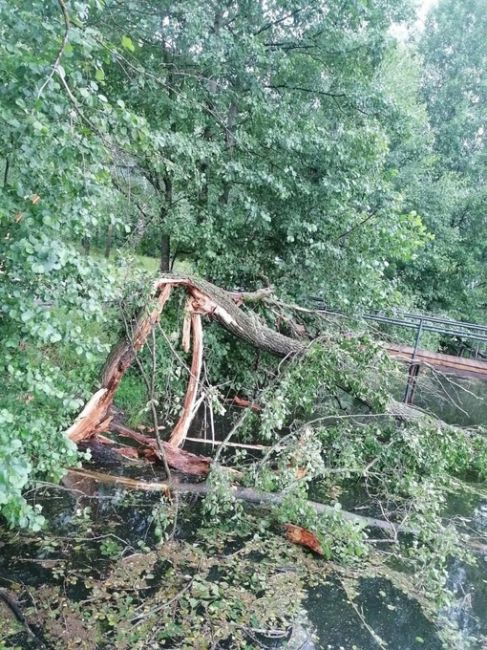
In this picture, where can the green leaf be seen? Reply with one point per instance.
(127, 43)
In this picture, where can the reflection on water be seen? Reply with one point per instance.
(469, 586)
(454, 399)
(379, 609)
(380, 616)
(328, 621)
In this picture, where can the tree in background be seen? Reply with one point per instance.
(450, 275)
(259, 137)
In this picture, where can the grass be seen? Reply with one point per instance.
(144, 262)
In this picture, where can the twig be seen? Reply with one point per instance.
(140, 617)
(212, 423)
(231, 433)
(357, 225)
(236, 445)
(78, 110)
(61, 49)
(380, 642)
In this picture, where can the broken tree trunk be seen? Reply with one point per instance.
(205, 299)
(180, 431)
(183, 461)
(221, 305)
(96, 415)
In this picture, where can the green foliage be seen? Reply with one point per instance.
(110, 548)
(176, 594)
(450, 188)
(229, 138)
(254, 143)
(29, 448)
(342, 451)
(328, 369)
(52, 311)
(220, 506)
(261, 157)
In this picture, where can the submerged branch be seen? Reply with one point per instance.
(241, 493)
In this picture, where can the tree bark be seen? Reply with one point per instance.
(108, 242)
(165, 254)
(221, 305)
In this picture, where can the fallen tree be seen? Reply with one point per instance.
(249, 495)
(203, 299)
(404, 455)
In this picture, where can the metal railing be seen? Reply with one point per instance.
(421, 323)
(424, 322)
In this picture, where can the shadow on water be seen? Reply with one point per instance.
(397, 620)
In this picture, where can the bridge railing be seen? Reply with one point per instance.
(421, 323)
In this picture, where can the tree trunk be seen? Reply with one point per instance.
(165, 246)
(165, 254)
(86, 243)
(230, 146)
(241, 493)
(108, 241)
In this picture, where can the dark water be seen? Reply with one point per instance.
(334, 624)
(337, 624)
(460, 402)
(328, 620)
(380, 617)
(454, 399)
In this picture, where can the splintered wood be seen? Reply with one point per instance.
(204, 299)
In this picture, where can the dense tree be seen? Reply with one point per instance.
(267, 143)
(450, 275)
(249, 143)
(247, 138)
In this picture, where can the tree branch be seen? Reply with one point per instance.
(61, 49)
(356, 226)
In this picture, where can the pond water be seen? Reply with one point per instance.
(327, 620)
(380, 616)
(454, 399)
